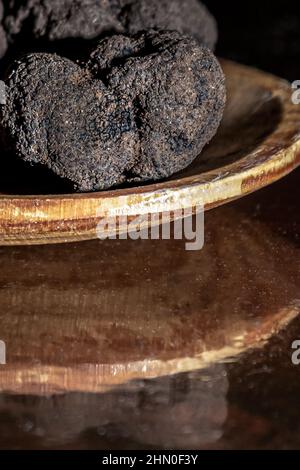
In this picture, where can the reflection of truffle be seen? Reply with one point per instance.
(88, 19)
(3, 42)
(142, 109)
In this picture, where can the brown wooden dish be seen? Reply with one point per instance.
(257, 144)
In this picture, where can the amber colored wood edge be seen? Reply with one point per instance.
(26, 220)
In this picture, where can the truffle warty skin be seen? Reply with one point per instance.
(140, 109)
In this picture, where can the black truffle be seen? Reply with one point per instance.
(177, 90)
(58, 115)
(141, 109)
(54, 20)
(189, 17)
(61, 19)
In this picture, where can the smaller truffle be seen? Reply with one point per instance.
(189, 17)
(56, 20)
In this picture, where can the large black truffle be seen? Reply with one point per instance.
(53, 20)
(141, 109)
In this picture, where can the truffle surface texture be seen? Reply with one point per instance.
(55, 20)
(141, 109)
(189, 17)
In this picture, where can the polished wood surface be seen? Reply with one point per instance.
(257, 144)
(83, 317)
(75, 318)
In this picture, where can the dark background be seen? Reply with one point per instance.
(262, 33)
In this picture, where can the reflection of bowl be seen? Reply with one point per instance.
(257, 144)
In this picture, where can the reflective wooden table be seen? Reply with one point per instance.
(141, 344)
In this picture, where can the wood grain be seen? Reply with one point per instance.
(258, 143)
(90, 316)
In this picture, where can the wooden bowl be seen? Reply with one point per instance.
(258, 143)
